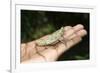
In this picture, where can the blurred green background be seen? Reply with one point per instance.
(35, 24)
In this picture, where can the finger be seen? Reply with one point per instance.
(80, 33)
(72, 30)
(78, 27)
(66, 28)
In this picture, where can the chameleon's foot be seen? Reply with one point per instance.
(40, 54)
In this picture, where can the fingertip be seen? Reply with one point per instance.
(82, 33)
(78, 27)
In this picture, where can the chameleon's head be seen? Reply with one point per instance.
(61, 29)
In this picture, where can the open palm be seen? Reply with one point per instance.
(30, 52)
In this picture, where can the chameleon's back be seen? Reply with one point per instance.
(54, 37)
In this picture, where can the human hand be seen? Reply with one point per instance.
(30, 52)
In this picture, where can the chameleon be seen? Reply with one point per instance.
(51, 39)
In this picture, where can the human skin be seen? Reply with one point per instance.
(72, 35)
